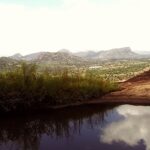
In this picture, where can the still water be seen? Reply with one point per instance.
(124, 127)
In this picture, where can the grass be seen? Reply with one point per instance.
(120, 70)
(24, 88)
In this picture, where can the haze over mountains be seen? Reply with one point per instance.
(66, 55)
(113, 54)
(50, 57)
(67, 58)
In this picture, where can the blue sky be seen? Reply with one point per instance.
(49, 25)
(34, 2)
(50, 3)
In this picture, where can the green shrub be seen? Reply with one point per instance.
(25, 88)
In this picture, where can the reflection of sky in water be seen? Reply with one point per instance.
(133, 129)
(87, 128)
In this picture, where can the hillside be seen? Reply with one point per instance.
(87, 54)
(8, 64)
(118, 53)
(135, 90)
(17, 56)
(144, 77)
(112, 54)
(62, 57)
(59, 58)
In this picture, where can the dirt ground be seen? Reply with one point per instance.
(133, 91)
(136, 89)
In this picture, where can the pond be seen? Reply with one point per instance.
(124, 127)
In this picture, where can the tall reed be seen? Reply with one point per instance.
(25, 88)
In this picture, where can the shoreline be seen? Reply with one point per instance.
(133, 101)
(107, 100)
(135, 91)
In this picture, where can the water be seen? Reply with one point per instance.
(124, 127)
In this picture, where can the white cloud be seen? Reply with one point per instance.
(77, 25)
(133, 128)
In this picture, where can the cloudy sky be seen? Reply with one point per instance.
(129, 129)
(48, 25)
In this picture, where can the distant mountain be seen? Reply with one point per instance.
(35, 56)
(65, 57)
(118, 53)
(143, 52)
(17, 56)
(64, 51)
(86, 54)
(7, 63)
(112, 54)
(60, 57)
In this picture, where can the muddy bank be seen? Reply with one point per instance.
(133, 91)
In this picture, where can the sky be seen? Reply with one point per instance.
(28, 26)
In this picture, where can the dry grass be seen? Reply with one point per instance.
(26, 89)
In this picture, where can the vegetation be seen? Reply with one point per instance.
(120, 70)
(25, 88)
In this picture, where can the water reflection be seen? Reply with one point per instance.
(27, 133)
(86, 128)
(133, 129)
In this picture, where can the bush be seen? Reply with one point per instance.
(26, 89)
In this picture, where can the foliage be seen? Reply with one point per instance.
(120, 70)
(26, 89)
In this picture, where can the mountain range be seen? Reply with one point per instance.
(60, 57)
(112, 54)
(66, 57)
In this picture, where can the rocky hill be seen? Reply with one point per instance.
(65, 57)
(60, 57)
(118, 53)
(88, 54)
(8, 64)
(112, 54)
(17, 56)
